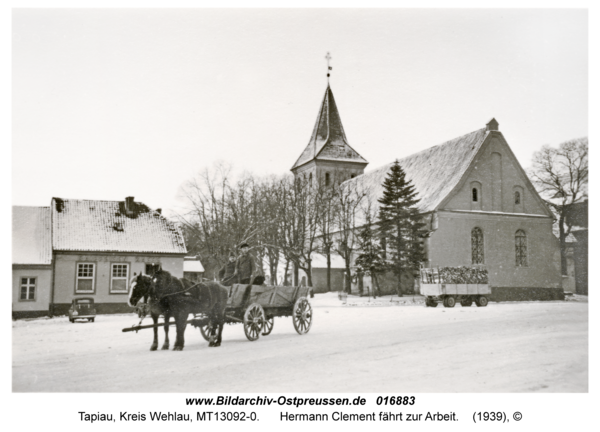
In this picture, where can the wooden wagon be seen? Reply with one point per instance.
(436, 290)
(256, 306)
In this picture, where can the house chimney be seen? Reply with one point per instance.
(129, 205)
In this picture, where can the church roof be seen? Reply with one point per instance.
(328, 140)
(434, 172)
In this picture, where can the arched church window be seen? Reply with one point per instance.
(477, 246)
(326, 179)
(310, 179)
(475, 195)
(521, 248)
(517, 197)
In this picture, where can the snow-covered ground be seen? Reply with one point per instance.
(504, 347)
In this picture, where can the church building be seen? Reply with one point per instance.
(480, 207)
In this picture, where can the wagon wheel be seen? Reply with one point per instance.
(449, 302)
(206, 331)
(268, 326)
(302, 315)
(482, 301)
(254, 317)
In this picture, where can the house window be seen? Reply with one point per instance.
(326, 179)
(517, 197)
(27, 289)
(85, 277)
(521, 248)
(475, 195)
(477, 246)
(119, 276)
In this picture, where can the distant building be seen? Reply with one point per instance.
(480, 207)
(576, 280)
(31, 261)
(193, 269)
(95, 249)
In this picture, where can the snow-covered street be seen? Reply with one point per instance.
(504, 347)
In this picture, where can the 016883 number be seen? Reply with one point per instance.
(395, 400)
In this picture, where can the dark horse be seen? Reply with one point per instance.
(172, 297)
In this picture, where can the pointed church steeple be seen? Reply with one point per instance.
(328, 141)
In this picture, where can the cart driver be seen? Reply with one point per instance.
(244, 266)
(227, 272)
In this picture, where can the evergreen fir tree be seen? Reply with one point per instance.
(370, 261)
(400, 224)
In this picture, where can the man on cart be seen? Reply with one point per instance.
(244, 266)
(227, 272)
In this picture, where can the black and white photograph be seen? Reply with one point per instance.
(380, 203)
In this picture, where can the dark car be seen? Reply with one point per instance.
(82, 308)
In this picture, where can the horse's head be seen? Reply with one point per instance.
(161, 278)
(140, 286)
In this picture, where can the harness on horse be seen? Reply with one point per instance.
(152, 296)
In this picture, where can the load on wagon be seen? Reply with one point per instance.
(448, 285)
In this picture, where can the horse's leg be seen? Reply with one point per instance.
(167, 319)
(221, 321)
(154, 345)
(180, 323)
(212, 340)
(220, 332)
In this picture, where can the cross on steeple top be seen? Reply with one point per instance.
(328, 57)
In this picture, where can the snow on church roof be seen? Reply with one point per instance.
(434, 172)
(328, 140)
(31, 239)
(108, 226)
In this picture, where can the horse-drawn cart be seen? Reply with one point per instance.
(256, 306)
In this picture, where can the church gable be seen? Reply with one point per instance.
(495, 182)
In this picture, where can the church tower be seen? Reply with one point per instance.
(328, 157)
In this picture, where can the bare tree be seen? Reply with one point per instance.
(298, 225)
(325, 199)
(348, 203)
(219, 215)
(561, 177)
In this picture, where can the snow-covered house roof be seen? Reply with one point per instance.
(112, 226)
(434, 172)
(192, 265)
(328, 140)
(31, 235)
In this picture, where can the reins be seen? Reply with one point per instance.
(179, 292)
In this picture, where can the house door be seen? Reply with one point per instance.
(152, 268)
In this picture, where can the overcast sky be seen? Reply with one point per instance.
(111, 103)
